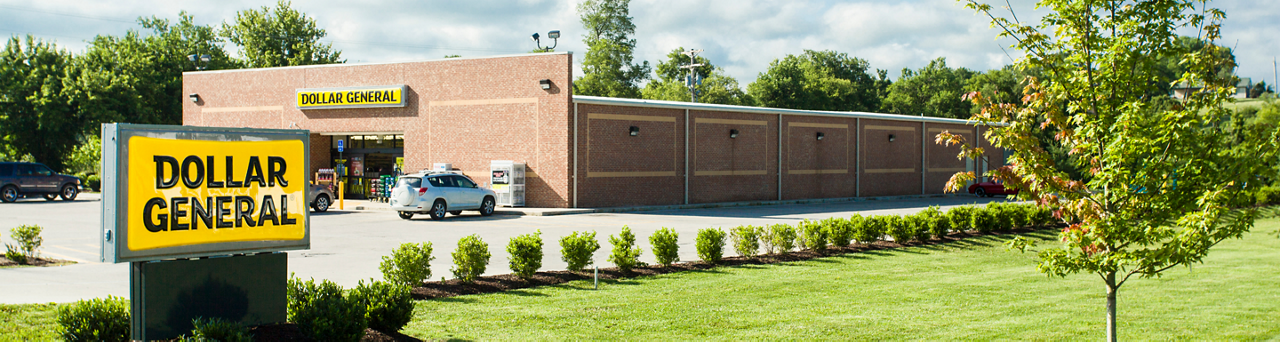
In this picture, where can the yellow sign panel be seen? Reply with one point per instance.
(194, 192)
(361, 97)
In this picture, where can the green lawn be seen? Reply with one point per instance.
(969, 290)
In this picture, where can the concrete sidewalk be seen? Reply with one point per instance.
(370, 205)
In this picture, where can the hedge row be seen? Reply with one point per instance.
(325, 312)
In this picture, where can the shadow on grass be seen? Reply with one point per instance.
(837, 254)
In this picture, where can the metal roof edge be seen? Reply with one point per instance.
(372, 63)
(597, 100)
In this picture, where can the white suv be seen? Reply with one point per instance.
(437, 193)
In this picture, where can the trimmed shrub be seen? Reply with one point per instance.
(812, 236)
(984, 220)
(1268, 196)
(388, 307)
(665, 247)
(936, 222)
(871, 229)
(1041, 216)
(782, 237)
(96, 319)
(746, 240)
(322, 313)
(919, 227)
(577, 248)
(408, 265)
(94, 182)
(29, 241)
(901, 228)
(961, 218)
(711, 245)
(526, 254)
(218, 329)
(840, 230)
(471, 258)
(626, 255)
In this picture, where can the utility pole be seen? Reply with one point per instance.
(692, 80)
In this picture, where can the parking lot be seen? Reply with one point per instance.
(347, 245)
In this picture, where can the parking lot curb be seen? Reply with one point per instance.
(508, 211)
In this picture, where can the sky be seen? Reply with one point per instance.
(741, 36)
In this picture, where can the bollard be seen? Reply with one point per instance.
(597, 282)
(340, 202)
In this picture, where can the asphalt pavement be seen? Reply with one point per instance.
(347, 245)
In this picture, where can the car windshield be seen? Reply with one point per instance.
(413, 182)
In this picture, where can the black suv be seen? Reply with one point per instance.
(24, 179)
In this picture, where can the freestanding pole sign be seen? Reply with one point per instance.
(202, 214)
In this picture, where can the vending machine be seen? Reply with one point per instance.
(506, 178)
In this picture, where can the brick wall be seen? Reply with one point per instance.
(461, 111)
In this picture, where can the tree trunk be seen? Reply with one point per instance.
(1111, 308)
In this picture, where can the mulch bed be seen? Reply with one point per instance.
(38, 262)
(507, 282)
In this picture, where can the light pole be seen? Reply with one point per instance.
(197, 59)
(693, 81)
(555, 40)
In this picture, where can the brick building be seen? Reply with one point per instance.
(581, 151)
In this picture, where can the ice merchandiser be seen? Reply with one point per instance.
(506, 178)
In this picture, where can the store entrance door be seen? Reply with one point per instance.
(367, 163)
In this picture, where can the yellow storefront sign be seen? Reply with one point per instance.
(355, 97)
(194, 192)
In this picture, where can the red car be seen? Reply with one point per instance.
(990, 188)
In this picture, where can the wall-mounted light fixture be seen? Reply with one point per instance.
(194, 97)
(545, 83)
(891, 137)
(634, 131)
(733, 134)
(820, 136)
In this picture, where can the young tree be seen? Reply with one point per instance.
(1166, 183)
(281, 36)
(607, 67)
(715, 87)
(819, 80)
(934, 90)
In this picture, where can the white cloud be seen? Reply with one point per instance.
(742, 36)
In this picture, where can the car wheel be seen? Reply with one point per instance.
(69, 192)
(50, 197)
(405, 214)
(487, 206)
(9, 194)
(438, 209)
(980, 192)
(321, 204)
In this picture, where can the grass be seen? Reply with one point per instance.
(28, 322)
(967, 290)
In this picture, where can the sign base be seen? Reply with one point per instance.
(166, 295)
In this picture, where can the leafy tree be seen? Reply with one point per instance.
(35, 118)
(137, 78)
(607, 67)
(1259, 89)
(1165, 184)
(934, 90)
(281, 36)
(819, 80)
(715, 86)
